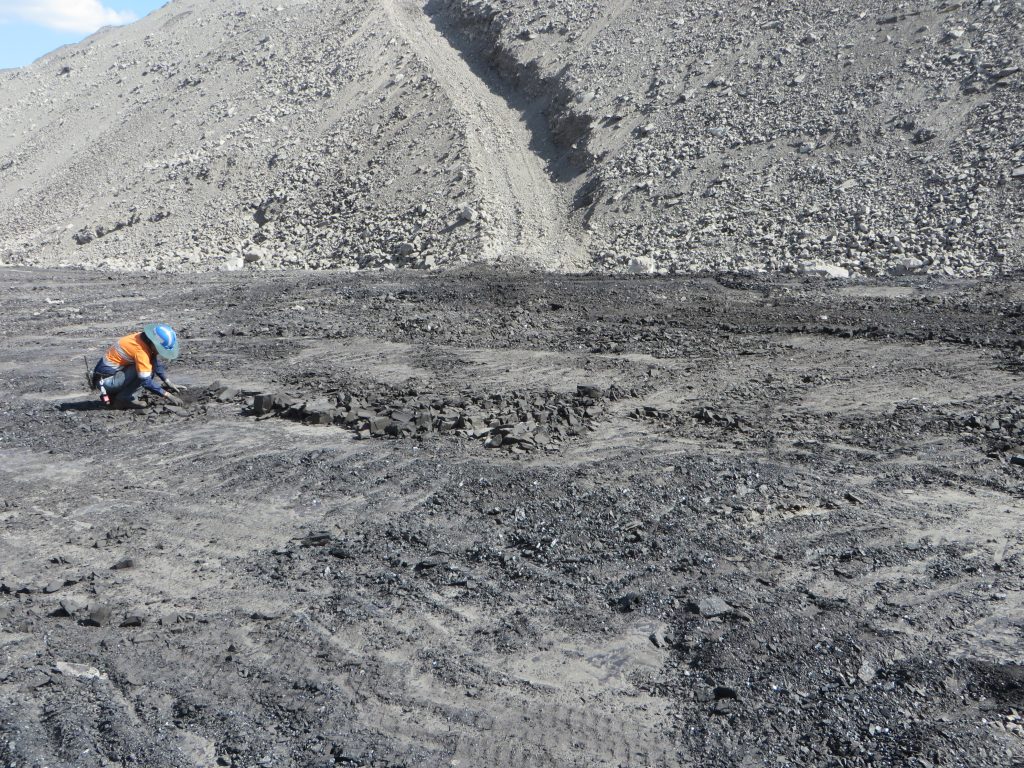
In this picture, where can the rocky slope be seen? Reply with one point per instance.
(663, 135)
(754, 136)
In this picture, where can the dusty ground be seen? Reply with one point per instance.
(795, 539)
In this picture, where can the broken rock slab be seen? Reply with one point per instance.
(69, 669)
(821, 269)
(712, 607)
(661, 637)
(319, 412)
(641, 265)
(133, 619)
(264, 403)
(73, 608)
(866, 672)
(99, 614)
(226, 394)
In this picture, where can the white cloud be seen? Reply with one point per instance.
(82, 16)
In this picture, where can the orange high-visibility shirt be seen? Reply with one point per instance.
(132, 350)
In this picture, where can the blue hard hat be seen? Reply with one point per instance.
(164, 339)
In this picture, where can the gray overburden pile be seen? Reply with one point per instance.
(665, 135)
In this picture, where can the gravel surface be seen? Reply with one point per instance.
(784, 528)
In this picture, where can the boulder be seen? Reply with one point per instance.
(641, 265)
(821, 269)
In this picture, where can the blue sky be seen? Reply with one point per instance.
(31, 28)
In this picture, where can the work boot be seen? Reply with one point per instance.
(127, 405)
(127, 402)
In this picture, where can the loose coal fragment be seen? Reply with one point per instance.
(397, 428)
(226, 394)
(592, 391)
(627, 602)
(403, 417)
(170, 619)
(347, 756)
(725, 692)
(99, 614)
(72, 607)
(317, 539)
(319, 413)
(341, 552)
(264, 403)
(434, 561)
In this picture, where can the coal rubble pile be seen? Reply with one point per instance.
(705, 415)
(1009, 423)
(1001, 428)
(517, 421)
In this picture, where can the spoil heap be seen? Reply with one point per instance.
(657, 136)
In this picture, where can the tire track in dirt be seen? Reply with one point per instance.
(608, 16)
(527, 221)
(402, 700)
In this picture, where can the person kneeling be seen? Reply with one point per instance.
(134, 363)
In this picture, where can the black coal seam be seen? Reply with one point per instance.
(559, 133)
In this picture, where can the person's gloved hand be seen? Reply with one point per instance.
(174, 399)
(170, 387)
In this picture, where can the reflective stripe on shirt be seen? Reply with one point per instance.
(131, 350)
